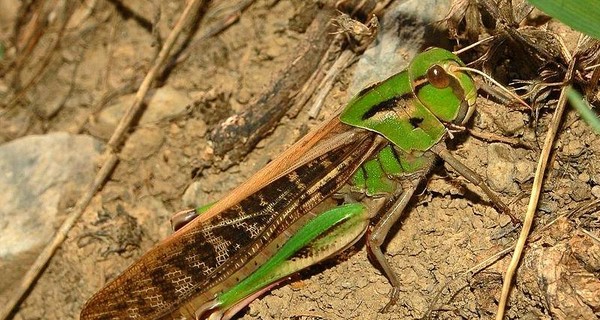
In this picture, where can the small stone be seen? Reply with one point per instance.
(143, 143)
(581, 191)
(524, 170)
(196, 127)
(584, 177)
(512, 122)
(362, 282)
(174, 129)
(253, 310)
(501, 168)
(504, 220)
(207, 154)
(596, 192)
(573, 148)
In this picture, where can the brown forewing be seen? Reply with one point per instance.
(207, 252)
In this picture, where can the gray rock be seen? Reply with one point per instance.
(35, 173)
(406, 28)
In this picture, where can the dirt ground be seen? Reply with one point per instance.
(164, 167)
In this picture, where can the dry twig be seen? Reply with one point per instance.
(535, 194)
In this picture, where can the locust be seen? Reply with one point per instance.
(353, 176)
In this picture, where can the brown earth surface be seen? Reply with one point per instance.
(449, 228)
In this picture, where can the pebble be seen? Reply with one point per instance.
(584, 177)
(574, 148)
(501, 168)
(596, 192)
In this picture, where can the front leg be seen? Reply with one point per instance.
(182, 218)
(475, 178)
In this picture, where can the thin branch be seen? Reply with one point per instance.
(535, 195)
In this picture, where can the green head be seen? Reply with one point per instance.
(411, 107)
(444, 89)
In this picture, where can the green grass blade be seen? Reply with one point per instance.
(581, 15)
(584, 109)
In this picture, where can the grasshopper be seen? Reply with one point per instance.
(353, 175)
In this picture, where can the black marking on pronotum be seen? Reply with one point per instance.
(386, 105)
(415, 121)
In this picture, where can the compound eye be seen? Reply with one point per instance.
(438, 77)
